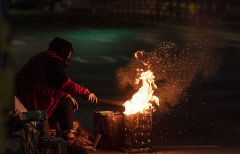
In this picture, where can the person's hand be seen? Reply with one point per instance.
(75, 104)
(92, 98)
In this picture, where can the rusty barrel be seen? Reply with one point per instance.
(109, 125)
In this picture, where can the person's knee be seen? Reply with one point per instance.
(66, 103)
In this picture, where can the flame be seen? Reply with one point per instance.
(142, 100)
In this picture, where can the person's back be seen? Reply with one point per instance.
(32, 83)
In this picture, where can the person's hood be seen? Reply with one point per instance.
(61, 47)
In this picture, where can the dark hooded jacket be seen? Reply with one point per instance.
(43, 81)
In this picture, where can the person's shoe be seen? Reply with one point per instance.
(76, 143)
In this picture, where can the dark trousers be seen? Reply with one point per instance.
(63, 115)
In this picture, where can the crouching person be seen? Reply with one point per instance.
(43, 84)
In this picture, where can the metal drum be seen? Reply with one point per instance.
(109, 125)
(137, 130)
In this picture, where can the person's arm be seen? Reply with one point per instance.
(75, 89)
(57, 77)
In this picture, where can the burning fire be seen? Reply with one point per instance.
(142, 100)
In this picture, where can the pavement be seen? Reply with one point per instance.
(211, 115)
(210, 149)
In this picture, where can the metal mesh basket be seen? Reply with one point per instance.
(137, 130)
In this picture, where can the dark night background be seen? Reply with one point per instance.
(106, 33)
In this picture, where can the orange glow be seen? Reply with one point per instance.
(142, 100)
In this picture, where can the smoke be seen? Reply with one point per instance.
(174, 68)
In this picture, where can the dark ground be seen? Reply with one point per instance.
(211, 115)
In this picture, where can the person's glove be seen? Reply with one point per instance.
(92, 98)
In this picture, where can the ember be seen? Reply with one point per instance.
(174, 68)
